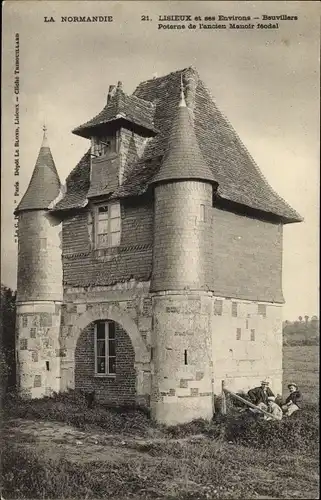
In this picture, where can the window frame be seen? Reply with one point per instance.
(109, 232)
(102, 146)
(261, 310)
(107, 373)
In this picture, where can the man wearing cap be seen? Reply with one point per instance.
(293, 401)
(274, 409)
(260, 395)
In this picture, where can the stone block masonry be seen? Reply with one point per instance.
(182, 360)
(38, 352)
(39, 257)
(182, 237)
(243, 359)
(129, 306)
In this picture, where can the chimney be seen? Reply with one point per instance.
(111, 92)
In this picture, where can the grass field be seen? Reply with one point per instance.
(122, 457)
(301, 365)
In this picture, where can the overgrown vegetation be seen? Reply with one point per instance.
(199, 460)
(71, 408)
(235, 456)
(7, 339)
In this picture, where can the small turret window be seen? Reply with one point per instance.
(101, 146)
(108, 225)
(202, 213)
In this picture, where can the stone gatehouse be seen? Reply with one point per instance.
(156, 272)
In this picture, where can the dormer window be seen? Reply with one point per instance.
(101, 146)
(108, 225)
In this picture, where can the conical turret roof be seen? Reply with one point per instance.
(44, 185)
(183, 158)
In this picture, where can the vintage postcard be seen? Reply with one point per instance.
(160, 222)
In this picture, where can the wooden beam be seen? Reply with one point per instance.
(223, 399)
(251, 405)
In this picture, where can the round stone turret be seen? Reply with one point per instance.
(181, 277)
(183, 201)
(39, 283)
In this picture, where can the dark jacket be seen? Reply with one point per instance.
(257, 395)
(295, 397)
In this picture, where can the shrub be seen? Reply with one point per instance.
(298, 432)
(71, 409)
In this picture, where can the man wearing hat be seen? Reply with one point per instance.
(293, 401)
(259, 395)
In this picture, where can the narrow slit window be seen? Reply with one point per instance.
(218, 307)
(47, 366)
(238, 333)
(234, 309)
(185, 357)
(261, 310)
(252, 335)
(43, 243)
(202, 213)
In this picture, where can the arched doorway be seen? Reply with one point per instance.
(131, 382)
(105, 363)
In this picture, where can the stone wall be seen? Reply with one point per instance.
(39, 297)
(247, 344)
(38, 348)
(39, 257)
(130, 307)
(182, 357)
(182, 236)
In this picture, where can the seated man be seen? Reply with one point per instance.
(260, 394)
(292, 402)
(274, 409)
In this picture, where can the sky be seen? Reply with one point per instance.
(265, 81)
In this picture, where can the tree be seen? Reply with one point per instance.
(7, 337)
(300, 319)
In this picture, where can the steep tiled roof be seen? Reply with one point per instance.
(239, 179)
(121, 107)
(77, 185)
(183, 158)
(44, 185)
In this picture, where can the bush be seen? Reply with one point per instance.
(298, 432)
(71, 409)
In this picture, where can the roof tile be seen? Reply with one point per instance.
(121, 107)
(44, 185)
(239, 179)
